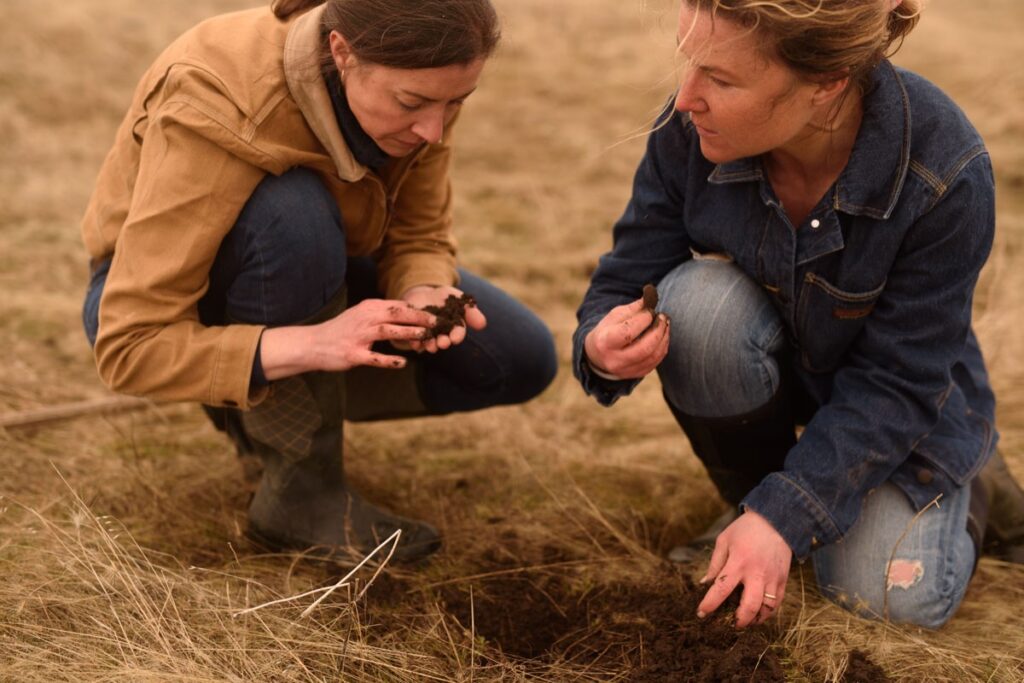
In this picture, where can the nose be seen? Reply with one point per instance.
(688, 96)
(430, 126)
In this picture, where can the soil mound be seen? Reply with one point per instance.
(650, 629)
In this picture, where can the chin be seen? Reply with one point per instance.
(717, 156)
(397, 149)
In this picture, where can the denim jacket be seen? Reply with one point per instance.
(875, 290)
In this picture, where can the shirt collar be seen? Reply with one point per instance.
(364, 149)
(871, 182)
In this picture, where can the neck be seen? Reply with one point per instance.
(824, 148)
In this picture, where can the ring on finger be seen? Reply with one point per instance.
(769, 596)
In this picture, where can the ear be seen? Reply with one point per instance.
(341, 52)
(831, 88)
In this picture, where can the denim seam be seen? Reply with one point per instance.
(946, 588)
(763, 366)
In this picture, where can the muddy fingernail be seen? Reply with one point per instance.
(701, 614)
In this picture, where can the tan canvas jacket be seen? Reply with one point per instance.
(238, 96)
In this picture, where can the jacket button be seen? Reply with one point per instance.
(925, 476)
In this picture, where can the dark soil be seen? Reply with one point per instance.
(861, 669)
(650, 297)
(649, 629)
(450, 315)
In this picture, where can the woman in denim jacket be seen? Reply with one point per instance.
(815, 220)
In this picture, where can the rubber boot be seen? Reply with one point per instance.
(737, 452)
(229, 421)
(1004, 532)
(303, 500)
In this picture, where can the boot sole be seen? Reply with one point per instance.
(278, 544)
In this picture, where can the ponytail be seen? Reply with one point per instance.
(283, 9)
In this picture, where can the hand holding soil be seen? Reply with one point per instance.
(454, 311)
(631, 340)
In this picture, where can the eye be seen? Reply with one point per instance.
(408, 106)
(457, 103)
(719, 82)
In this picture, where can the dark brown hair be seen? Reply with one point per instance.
(407, 34)
(823, 39)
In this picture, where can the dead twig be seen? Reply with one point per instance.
(68, 411)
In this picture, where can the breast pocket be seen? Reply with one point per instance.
(829, 320)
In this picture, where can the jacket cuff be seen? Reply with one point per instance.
(231, 384)
(794, 512)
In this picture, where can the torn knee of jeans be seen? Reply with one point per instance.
(904, 574)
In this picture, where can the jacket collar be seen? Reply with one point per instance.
(871, 182)
(362, 146)
(306, 83)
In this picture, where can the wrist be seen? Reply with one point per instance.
(598, 370)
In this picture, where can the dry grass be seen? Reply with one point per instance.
(120, 542)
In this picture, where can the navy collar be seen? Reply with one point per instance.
(363, 148)
(871, 182)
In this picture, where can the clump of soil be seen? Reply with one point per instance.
(650, 297)
(860, 669)
(650, 629)
(450, 315)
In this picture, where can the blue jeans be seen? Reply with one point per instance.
(726, 359)
(286, 258)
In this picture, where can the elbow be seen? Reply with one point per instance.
(117, 362)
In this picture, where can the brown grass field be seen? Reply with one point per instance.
(121, 547)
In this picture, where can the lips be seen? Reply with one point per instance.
(702, 131)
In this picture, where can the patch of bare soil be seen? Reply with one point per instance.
(648, 628)
(861, 669)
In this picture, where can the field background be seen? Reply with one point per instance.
(121, 552)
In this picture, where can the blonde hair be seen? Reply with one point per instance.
(823, 39)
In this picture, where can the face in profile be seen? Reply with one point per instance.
(742, 101)
(400, 109)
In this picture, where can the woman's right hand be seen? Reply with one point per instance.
(625, 343)
(345, 341)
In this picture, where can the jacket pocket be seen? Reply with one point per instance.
(828, 321)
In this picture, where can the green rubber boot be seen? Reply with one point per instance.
(303, 500)
(1004, 532)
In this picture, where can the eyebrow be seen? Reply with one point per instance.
(719, 71)
(431, 99)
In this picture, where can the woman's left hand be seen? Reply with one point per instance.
(750, 551)
(426, 295)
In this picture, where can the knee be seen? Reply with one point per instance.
(285, 257)
(535, 367)
(880, 571)
(294, 217)
(725, 339)
(905, 596)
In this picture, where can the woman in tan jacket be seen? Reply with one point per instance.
(276, 207)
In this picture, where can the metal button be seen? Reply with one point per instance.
(815, 224)
(925, 476)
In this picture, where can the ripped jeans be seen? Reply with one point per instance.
(727, 340)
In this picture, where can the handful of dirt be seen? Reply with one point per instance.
(650, 297)
(450, 315)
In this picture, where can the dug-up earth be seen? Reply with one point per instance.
(121, 535)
